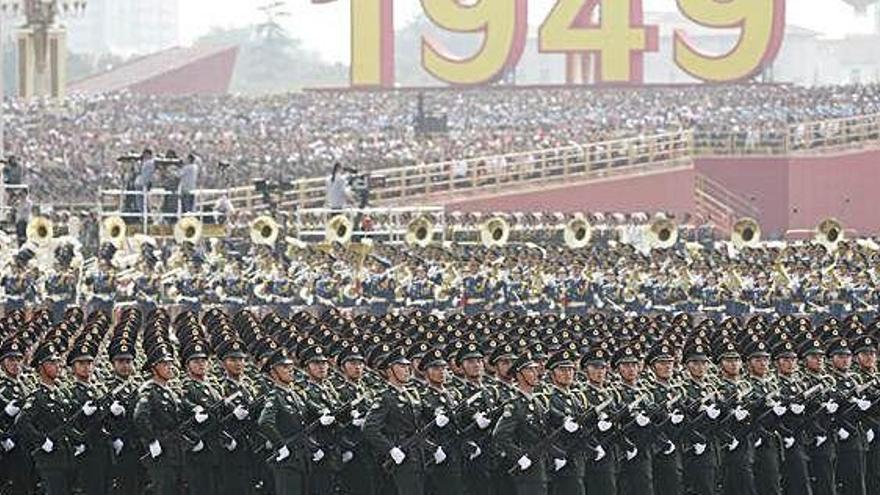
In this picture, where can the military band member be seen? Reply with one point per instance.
(16, 467)
(157, 417)
(102, 281)
(18, 285)
(61, 284)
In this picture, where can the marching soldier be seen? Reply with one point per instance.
(199, 400)
(666, 394)
(16, 467)
(393, 421)
(157, 417)
(850, 434)
(91, 452)
(237, 471)
(321, 401)
(358, 465)
(767, 413)
(865, 349)
(820, 439)
(737, 448)
(521, 428)
(444, 454)
(476, 420)
(700, 454)
(636, 473)
(567, 407)
(795, 473)
(46, 418)
(126, 469)
(600, 471)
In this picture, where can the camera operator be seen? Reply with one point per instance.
(144, 180)
(189, 178)
(338, 190)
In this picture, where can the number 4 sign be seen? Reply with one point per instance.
(611, 30)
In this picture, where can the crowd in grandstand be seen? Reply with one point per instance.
(284, 137)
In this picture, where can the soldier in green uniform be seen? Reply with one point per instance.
(91, 452)
(321, 400)
(736, 446)
(393, 419)
(444, 453)
(476, 420)
(158, 415)
(237, 460)
(699, 444)
(45, 418)
(667, 456)
(767, 412)
(358, 473)
(795, 474)
(16, 467)
(820, 449)
(521, 427)
(865, 350)
(198, 399)
(600, 461)
(282, 422)
(126, 470)
(568, 408)
(848, 428)
(636, 465)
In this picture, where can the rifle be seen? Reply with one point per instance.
(68, 422)
(539, 449)
(427, 427)
(292, 439)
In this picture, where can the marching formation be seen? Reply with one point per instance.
(414, 403)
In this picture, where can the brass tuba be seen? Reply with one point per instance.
(829, 233)
(419, 232)
(338, 229)
(577, 232)
(494, 232)
(264, 230)
(188, 229)
(746, 233)
(40, 231)
(662, 234)
(114, 231)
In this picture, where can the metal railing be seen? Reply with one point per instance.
(402, 185)
(806, 137)
(719, 205)
(389, 224)
(143, 210)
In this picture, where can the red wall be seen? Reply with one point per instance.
(210, 75)
(671, 191)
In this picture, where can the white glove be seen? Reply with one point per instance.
(699, 448)
(863, 404)
(604, 425)
(676, 418)
(355, 414)
(788, 442)
(670, 448)
(318, 455)
(79, 450)
(713, 412)
(831, 407)
(740, 414)
(631, 454)
(842, 434)
(759, 442)
(524, 463)
(88, 408)
(11, 409)
(155, 449)
(475, 452)
(642, 420)
(570, 425)
(600, 453)
(48, 445)
(441, 420)
(869, 435)
(232, 445)
(439, 456)
(820, 440)
(282, 453)
(326, 420)
(267, 445)
(482, 421)
(199, 446)
(7, 444)
(397, 455)
(240, 412)
(733, 445)
(347, 456)
(117, 409)
(359, 422)
(797, 409)
(559, 464)
(779, 410)
(200, 415)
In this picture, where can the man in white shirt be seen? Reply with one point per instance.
(189, 178)
(338, 192)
